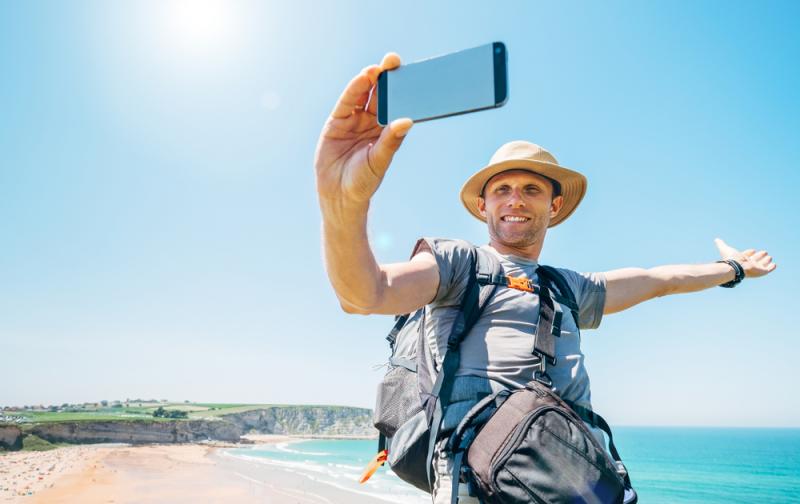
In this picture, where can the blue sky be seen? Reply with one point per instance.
(160, 231)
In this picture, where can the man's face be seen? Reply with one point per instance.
(518, 206)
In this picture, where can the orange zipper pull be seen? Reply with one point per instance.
(373, 465)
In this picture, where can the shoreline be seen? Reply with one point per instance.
(156, 473)
(286, 437)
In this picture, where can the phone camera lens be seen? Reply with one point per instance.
(497, 50)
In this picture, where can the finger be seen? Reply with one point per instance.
(758, 255)
(382, 152)
(366, 102)
(354, 95)
(390, 62)
(372, 105)
(749, 252)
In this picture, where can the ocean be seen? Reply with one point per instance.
(668, 465)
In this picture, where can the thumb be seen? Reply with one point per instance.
(725, 250)
(388, 143)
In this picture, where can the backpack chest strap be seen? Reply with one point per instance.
(526, 285)
(518, 283)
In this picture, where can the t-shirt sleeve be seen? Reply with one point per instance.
(452, 257)
(590, 294)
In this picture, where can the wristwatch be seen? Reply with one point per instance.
(736, 268)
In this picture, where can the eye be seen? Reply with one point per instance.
(532, 189)
(502, 189)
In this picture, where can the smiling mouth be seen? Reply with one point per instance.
(514, 218)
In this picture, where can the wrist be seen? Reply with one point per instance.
(738, 272)
(341, 211)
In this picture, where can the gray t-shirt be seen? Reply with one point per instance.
(499, 345)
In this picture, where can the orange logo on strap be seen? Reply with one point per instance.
(519, 283)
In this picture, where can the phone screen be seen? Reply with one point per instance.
(457, 83)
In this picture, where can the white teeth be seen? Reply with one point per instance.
(514, 218)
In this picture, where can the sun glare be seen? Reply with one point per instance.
(201, 27)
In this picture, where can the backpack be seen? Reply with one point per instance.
(530, 445)
(413, 395)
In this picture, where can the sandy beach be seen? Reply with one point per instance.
(26, 474)
(158, 474)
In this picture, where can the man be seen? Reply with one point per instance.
(520, 194)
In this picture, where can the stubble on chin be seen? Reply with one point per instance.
(524, 238)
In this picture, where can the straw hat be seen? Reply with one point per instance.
(522, 155)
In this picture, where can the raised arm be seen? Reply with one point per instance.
(630, 286)
(352, 156)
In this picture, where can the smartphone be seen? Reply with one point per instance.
(457, 83)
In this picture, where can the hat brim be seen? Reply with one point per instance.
(573, 185)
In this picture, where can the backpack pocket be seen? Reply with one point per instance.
(398, 398)
(535, 448)
(408, 450)
(551, 459)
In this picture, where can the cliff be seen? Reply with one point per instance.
(290, 420)
(137, 432)
(306, 421)
(10, 437)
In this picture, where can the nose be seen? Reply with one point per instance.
(515, 199)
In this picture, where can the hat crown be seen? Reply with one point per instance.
(520, 149)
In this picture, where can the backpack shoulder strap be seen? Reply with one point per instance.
(476, 297)
(399, 322)
(488, 264)
(474, 300)
(488, 269)
(565, 296)
(476, 293)
(485, 263)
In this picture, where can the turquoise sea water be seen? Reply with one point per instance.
(712, 465)
(667, 465)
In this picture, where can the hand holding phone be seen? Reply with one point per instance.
(354, 151)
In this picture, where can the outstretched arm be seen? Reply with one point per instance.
(353, 154)
(630, 286)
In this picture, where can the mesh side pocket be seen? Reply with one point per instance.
(398, 400)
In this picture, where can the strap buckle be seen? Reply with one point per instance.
(519, 283)
(543, 378)
(544, 359)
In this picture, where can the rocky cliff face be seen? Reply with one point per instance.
(291, 420)
(306, 420)
(120, 431)
(10, 437)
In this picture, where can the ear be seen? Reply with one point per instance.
(482, 206)
(555, 206)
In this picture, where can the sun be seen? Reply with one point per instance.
(201, 27)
